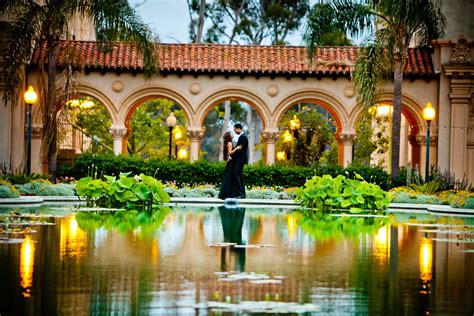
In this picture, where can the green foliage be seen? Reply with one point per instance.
(364, 145)
(95, 122)
(124, 221)
(313, 140)
(138, 192)
(426, 188)
(23, 178)
(205, 172)
(246, 21)
(7, 190)
(150, 134)
(340, 193)
(414, 198)
(45, 188)
(325, 227)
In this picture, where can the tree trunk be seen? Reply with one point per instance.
(225, 126)
(50, 119)
(397, 117)
(200, 24)
(251, 127)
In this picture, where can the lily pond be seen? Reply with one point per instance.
(233, 261)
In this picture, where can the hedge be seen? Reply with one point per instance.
(205, 172)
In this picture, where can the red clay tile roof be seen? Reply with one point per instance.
(228, 59)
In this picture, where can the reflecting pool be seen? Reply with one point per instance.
(190, 260)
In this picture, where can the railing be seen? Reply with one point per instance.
(74, 137)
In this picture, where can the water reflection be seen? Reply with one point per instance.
(72, 239)
(232, 220)
(27, 261)
(90, 265)
(426, 262)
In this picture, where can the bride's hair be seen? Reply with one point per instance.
(227, 138)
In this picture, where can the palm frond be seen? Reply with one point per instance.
(117, 20)
(371, 70)
(23, 32)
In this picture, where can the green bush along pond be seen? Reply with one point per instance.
(340, 193)
(137, 192)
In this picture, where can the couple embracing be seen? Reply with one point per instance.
(236, 156)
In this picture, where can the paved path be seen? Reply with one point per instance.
(39, 200)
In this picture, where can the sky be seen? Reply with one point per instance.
(170, 19)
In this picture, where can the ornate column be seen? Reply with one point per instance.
(460, 70)
(270, 137)
(421, 140)
(195, 136)
(118, 133)
(347, 140)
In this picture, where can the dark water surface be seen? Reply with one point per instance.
(170, 263)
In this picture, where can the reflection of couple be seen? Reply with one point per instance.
(232, 220)
(236, 154)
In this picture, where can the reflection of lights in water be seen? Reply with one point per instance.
(292, 226)
(426, 262)
(27, 256)
(382, 243)
(155, 251)
(71, 238)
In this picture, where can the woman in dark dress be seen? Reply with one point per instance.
(226, 186)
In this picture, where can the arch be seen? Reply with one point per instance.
(232, 94)
(136, 98)
(410, 108)
(90, 91)
(315, 96)
(412, 111)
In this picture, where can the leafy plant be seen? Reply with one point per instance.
(324, 227)
(124, 221)
(138, 192)
(425, 188)
(340, 193)
(7, 190)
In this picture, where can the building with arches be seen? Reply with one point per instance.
(271, 79)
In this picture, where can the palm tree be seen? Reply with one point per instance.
(392, 26)
(31, 23)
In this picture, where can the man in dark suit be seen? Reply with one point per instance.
(239, 158)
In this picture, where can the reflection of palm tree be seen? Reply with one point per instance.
(232, 220)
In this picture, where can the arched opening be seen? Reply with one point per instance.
(150, 133)
(307, 135)
(221, 117)
(83, 126)
(373, 142)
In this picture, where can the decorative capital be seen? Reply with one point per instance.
(118, 132)
(348, 138)
(421, 140)
(195, 134)
(270, 136)
(36, 131)
(461, 52)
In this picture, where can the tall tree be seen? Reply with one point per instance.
(246, 21)
(32, 23)
(392, 26)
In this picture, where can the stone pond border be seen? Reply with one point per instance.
(25, 201)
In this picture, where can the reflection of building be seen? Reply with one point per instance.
(441, 75)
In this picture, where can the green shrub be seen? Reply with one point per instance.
(184, 173)
(57, 190)
(7, 190)
(414, 198)
(23, 178)
(341, 193)
(34, 187)
(469, 203)
(138, 192)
